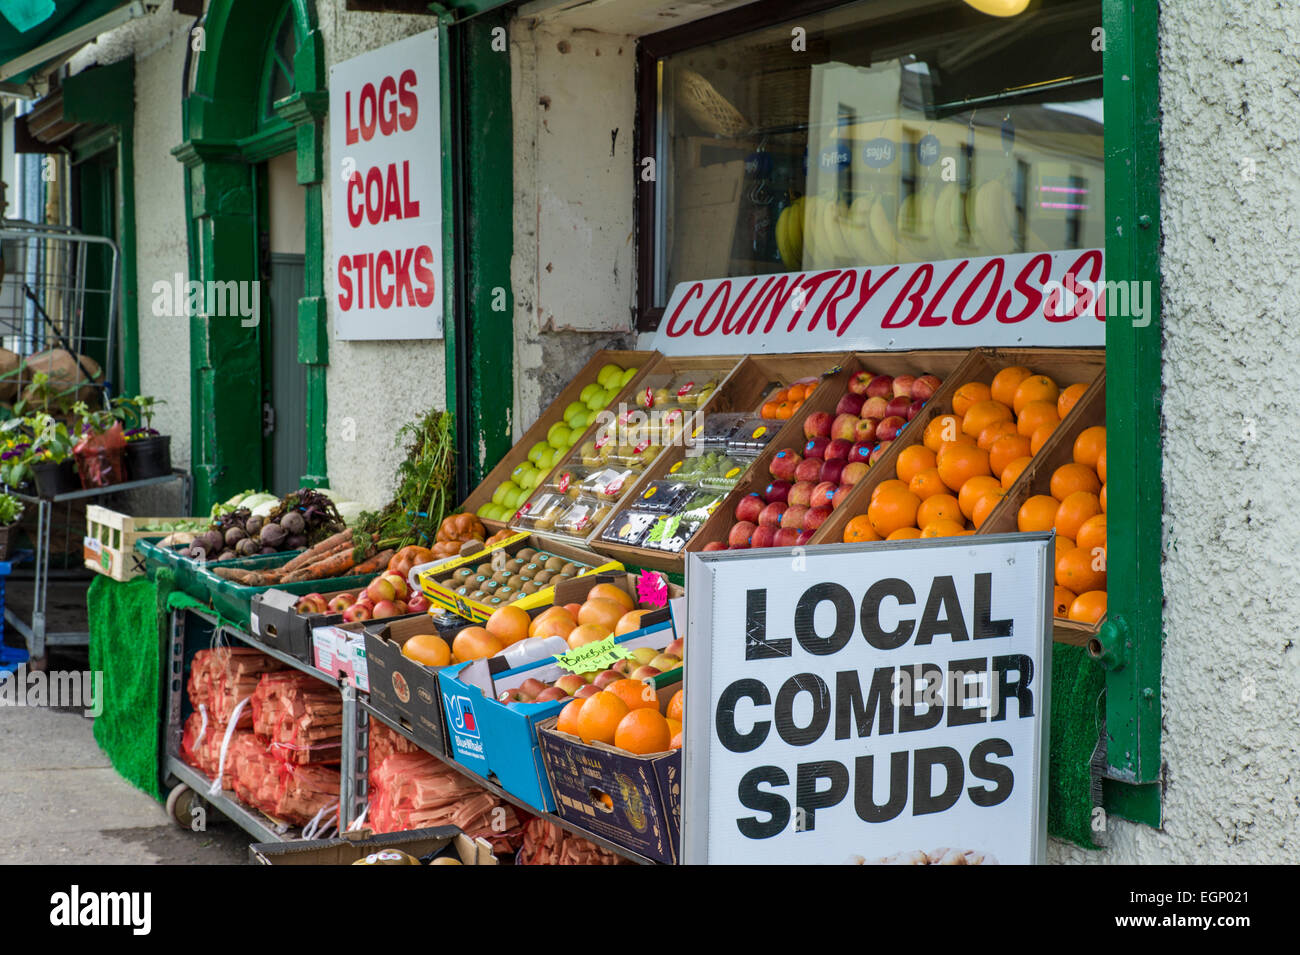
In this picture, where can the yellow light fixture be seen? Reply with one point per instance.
(1000, 8)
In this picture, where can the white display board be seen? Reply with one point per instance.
(386, 201)
(1027, 299)
(848, 704)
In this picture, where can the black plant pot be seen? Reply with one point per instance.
(149, 457)
(52, 479)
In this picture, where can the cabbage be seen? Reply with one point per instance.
(255, 501)
(350, 511)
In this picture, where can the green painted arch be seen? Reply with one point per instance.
(222, 145)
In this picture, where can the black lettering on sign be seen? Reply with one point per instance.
(809, 798)
(1001, 776)
(851, 712)
(757, 646)
(751, 797)
(929, 697)
(804, 631)
(959, 714)
(1019, 687)
(725, 718)
(943, 596)
(924, 799)
(815, 687)
(984, 626)
(871, 629)
(864, 800)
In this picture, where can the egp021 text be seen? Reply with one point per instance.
(868, 703)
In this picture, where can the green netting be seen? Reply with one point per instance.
(1077, 685)
(126, 645)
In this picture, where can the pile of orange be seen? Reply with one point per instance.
(784, 402)
(1076, 509)
(949, 483)
(607, 609)
(626, 715)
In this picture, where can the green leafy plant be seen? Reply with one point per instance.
(94, 421)
(29, 441)
(136, 413)
(11, 510)
(426, 484)
(42, 395)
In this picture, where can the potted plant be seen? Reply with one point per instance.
(38, 448)
(101, 448)
(148, 453)
(11, 512)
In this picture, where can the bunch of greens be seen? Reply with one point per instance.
(11, 509)
(426, 485)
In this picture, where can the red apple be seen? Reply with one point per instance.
(850, 404)
(589, 690)
(897, 407)
(786, 537)
(925, 387)
(763, 537)
(605, 678)
(816, 447)
(816, 517)
(803, 538)
(783, 465)
(385, 608)
(400, 589)
(418, 603)
(510, 696)
(889, 428)
(845, 426)
(381, 589)
(715, 545)
(878, 451)
(839, 449)
(817, 425)
(865, 430)
(740, 534)
(882, 386)
(833, 470)
(914, 408)
(808, 469)
(840, 494)
(550, 694)
(875, 408)
(532, 686)
(676, 648)
(645, 672)
(571, 683)
(776, 492)
(854, 472)
(750, 506)
(793, 517)
(859, 382)
(341, 603)
(356, 612)
(801, 494)
(770, 516)
(861, 452)
(903, 385)
(822, 495)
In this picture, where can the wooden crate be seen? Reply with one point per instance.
(1064, 365)
(1089, 411)
(945, 364)
(109, 545)
(664, 369)
(744, 391)
(642, 360)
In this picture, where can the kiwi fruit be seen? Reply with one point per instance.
(516, 581)
(530, 570)
(501, 576)
(570, 568)
(463, 591)
(506, 593)
(477, 595)
(543, 578)
(526, 554)
(462, 572)
(495, 601)
(479, 581)
(484, 569)
(514, 566)
(491, 585)
(560, 577)
(529, 588)
(541, 557)
(555, 563)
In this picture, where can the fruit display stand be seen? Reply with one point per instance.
(540, 431)
(602, 470)
(109, 546)
(741, 397)
(1089, 412)
(981, 365)
(824, 401)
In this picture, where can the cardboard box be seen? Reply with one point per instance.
(499, 742)
(342, 654)
(405, 691)
(441, 595)
(275, 621)
(634, 801)
(352, 846)
(554, 413)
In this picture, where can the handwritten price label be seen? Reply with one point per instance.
(600, 655)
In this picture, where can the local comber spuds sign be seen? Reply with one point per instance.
(867, 705)
(385, 145)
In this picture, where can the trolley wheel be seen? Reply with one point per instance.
(180, 803)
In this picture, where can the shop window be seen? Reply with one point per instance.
(277, 79)
(863, 134)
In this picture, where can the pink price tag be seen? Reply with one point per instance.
(565, 479)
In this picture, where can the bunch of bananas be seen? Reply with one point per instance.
(935, 222)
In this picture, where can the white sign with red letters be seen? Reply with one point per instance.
(1054, 299)
(385, 151)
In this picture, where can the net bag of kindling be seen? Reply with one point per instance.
(384, 742)
(302, 719)
(545, 843)
(221, 678)
(416, 790)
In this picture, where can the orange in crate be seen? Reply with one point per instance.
(961, 463)
(1074, 510)
(1061, 601)
(1035, 388)
(973, 490)
(1089, 607)
(1069, 478)
(969, 394)
(859, 531)
(945, 427)
(643, 731)
(927, 483)
(995, 431)
(892, 509)
(1034, 415)
(1040, 436)
(1092, 534)
(943, 528)
(982, 414)
(904, 534)
(1006, 449)
(1014, 470)
(1069, 398)
(1090, 445)
(1037, 513)
(600, 716)
(985, 505)
(1076, 571)
(1006, 382)
(939, 507)
(912, 460)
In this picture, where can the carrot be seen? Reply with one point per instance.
(320, 550)
(374, 563)
(246, 578)
(335, 566)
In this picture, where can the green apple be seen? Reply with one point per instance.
(588, 391)
(537, 450)
(574, 408)
(608, 375)
(504, 489)
(518, 474)
(580, 420)
(598, 400)
(486, 511)
(558, 436)
(499, 513)
(627, 376)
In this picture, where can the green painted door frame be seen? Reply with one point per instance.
(222, 144)
(1129, 644)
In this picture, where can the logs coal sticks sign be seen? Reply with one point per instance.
(864, 704)
(386, 204)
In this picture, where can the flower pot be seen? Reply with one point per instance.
(101, 458)
(149, 457)
(52, 479)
